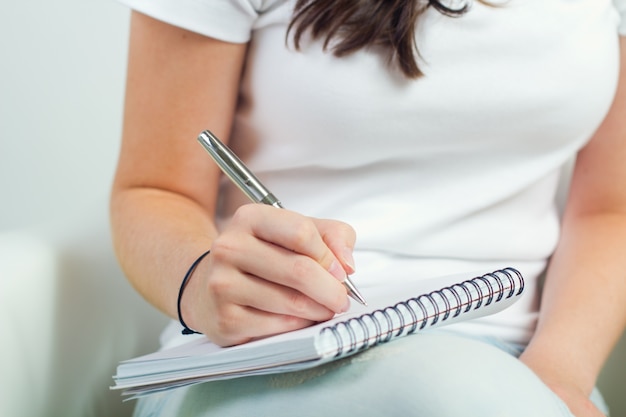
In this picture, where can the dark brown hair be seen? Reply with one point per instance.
(357, 24)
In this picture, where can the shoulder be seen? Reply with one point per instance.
(226, 20)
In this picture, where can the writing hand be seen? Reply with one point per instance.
(269, 271)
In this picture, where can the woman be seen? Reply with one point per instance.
(436, 133)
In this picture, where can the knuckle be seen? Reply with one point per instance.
(226, 324)
(337, 229)
(294, 322)
(219, 286)
(223, 248)
(348, 231)
(301, 271)
(244, 213)
(303, 234)
(299, 304)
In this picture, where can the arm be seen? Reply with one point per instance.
(165, 191)
(583, 309)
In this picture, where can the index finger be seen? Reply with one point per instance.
(292, 231)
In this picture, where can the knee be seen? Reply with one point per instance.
(438, 374)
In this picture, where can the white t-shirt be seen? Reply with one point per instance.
(452, 172)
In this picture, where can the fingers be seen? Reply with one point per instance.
(263, 295)
(272, 271)
(326, 241)
(243, 324)
(246, 307)
(292, 278)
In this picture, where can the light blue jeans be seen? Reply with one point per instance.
(434, 374)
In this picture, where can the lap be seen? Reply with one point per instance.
(434, 374)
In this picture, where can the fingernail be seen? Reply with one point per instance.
(337, 271)
(349, 260)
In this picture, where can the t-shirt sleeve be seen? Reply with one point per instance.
(227, 20)
(620, 5)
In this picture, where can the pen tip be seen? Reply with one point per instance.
(353, 292)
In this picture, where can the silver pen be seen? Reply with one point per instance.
(239, 174)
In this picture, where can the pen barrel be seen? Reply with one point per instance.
(239, 174)
(236, 171)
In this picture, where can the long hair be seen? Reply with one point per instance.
(357, 24)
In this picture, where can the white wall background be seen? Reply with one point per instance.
(62, 66)
(67, 315)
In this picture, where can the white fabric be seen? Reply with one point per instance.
(227, 20)
(455, 171)
(621, 7)
(233, 20)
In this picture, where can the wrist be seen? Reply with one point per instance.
(557, 366)
(183, 286)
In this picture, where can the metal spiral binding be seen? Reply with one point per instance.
(454, 298)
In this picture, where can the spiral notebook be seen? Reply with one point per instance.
(394, 313)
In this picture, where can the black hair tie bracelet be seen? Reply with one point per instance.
(187, 330)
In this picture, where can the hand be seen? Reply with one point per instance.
(270, 271)
(576, 398)
(578, 403)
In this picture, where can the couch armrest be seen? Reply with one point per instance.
(27, 270)
(72, 317)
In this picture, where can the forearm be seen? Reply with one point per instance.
(165, 185)
(583, 310)
(157, 235)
